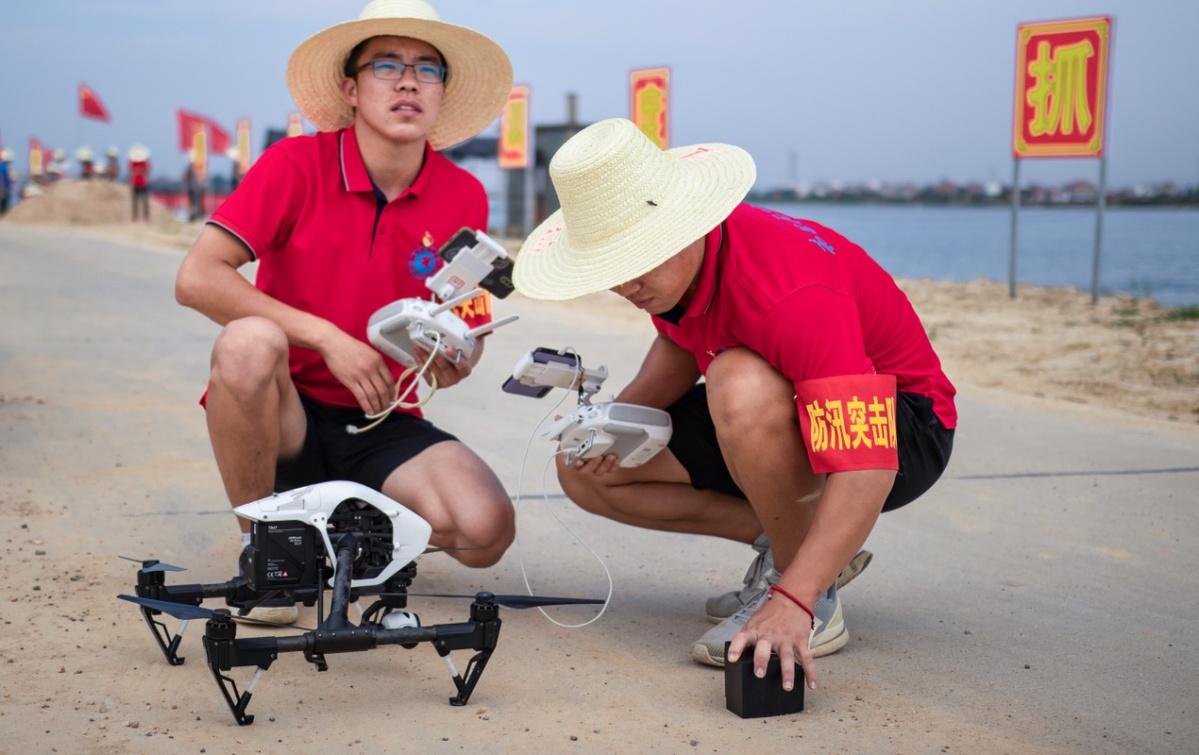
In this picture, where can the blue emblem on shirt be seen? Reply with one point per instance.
(423, 262)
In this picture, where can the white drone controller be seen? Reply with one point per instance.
(474, 262)
(635, 434)
(316, 505)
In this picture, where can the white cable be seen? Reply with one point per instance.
(519, 491)
(398, 402)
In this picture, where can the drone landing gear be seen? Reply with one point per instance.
(337, 635)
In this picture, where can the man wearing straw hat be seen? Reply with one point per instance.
(342, 223)
(823, 403)
(139, 181)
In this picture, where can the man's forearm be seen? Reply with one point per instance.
(845, 514)
(667, 373)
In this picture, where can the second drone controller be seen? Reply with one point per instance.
(634, 434)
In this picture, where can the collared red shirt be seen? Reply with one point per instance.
(308, 212)
(827, 317)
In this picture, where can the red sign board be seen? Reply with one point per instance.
(514, 129)
(649, 103)
(1061, 87)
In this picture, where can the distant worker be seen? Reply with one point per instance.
(112, 163)
(8, 179)
(57, 167)
(235, 170)
(139, 180)
(87, 165)
(193, 183)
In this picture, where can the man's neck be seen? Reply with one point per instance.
(392, 166)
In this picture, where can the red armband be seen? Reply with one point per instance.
(848, 422)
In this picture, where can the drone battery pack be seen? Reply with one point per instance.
(751, 697)
(281, 555)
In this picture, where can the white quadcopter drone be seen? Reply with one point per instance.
(335, 536)
(633, 433)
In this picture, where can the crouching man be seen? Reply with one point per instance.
(823, 402)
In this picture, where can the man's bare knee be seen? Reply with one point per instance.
(588, 491)
(247, 356)
(747, 395)
(484, 536)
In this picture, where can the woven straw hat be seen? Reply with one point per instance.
(83, 154)
(627, 207)
(138, 153)
(480, 75)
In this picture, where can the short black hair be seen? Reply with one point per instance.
(351, 67)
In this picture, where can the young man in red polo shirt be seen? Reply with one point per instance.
(823, 402)
(342, 223)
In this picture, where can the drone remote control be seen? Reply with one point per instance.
(397, 327)
(635, 434)
(474, 262)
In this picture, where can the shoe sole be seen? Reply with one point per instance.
(855, 567)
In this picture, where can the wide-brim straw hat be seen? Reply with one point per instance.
(627, 207)
(138, 152)
(83, 153)
(478, 84)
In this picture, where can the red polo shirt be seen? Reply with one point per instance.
(826, 316)
(328, 243)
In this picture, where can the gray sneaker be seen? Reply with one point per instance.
(723, 606)
(829, 634)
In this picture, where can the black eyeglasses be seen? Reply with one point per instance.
(393, 70)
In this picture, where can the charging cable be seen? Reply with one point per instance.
(519, 491)
(398, 400)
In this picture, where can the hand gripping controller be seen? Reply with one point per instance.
(474, 262)
(396, 328)
(635, 434)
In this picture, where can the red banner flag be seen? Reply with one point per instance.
(90, 105)
(218, 139)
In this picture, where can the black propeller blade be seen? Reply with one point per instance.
(514, 601)
(186, 611)
(151, 565)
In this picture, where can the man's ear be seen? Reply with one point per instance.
(349, 91)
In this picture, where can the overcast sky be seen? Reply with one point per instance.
(916, 90)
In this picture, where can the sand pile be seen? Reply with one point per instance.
(1124, 353)
(72, 202)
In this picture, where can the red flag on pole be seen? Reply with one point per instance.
(90, 105)
(218, 139)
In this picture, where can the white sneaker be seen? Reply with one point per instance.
(829, 634)
(722, 606)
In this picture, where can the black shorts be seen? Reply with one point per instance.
(924, 447)
(330, 453)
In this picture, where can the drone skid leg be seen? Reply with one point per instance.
(225, 651)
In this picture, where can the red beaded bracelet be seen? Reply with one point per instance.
(793, 599)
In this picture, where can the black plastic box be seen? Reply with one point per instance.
(751, 697)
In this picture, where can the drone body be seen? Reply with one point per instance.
(339, 537)
(389, 535)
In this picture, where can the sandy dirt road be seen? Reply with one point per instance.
(1043, 597)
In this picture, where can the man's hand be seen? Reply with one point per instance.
(446, 372)
(783, 627)
(600, 465)
(361, 369)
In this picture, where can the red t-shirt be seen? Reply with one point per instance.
(309, 213)
(825, 315)
(139, 173)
